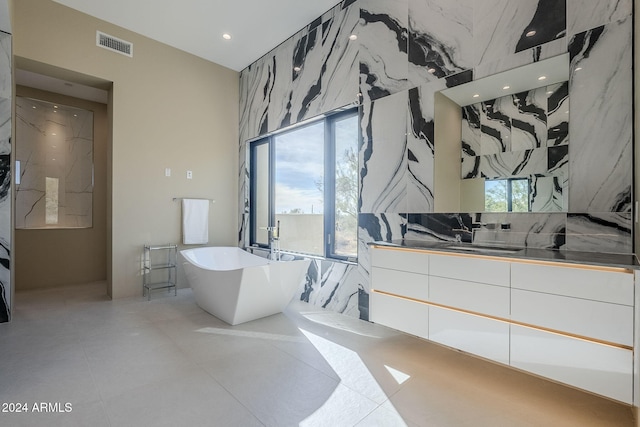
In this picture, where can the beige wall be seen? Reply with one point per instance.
(169, 109)
(446, 173)
(68, 256)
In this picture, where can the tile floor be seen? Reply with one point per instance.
(168, 363)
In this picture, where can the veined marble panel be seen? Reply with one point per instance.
(5, 66)
(341, 76)
(335, 286)
(495, 126)
(243, 195)
(55, 144)
(500, 27)
(471, 133)
(514, 163)
(256, 84)
(421, 146)
(583, 15)
(528, 113)
(509, 62)
(532, 230)
(445, 227)
(601, 119)
(558, 114)
(470, 167)
(546, 193)
(377, 228)
(382, 155)
(383, 37)
(600, 232)
(440, 39)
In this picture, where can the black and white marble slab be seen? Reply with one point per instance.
(519, 59)
(583, 15)
(377, 228)
(337, 287)
(526, 230)
(243, 195)
(440, 39)
(500, 27)
(558, 114)
(421, 146)
(600, 232)
(471, 133)
(383, 37)
(528, 114)
(382, 155)
(495, 126)
(601, 119)
(514, 164)
(255, 94)
(440, 227)
(546, 193)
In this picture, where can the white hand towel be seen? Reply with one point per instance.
(195, 221)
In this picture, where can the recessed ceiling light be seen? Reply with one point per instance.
(531, 33)
(476, 95)
(54, 134)
(34, 107)
(506, 87)
(579, 68)
(226, 36)
(75, 115)
(549, 92)
(542, 77)
(55, 106)
(431, 70)
(296, 69)
(353, 37)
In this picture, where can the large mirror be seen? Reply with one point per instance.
(502, 142)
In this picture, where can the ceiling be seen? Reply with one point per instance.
(196, 26)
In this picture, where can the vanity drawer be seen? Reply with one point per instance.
(483, 337)
(601, 369)
(401, 314)
(471, 269)
(598, 320)
(397, 282)
(609, 286)
(477, 297)
(398, 259)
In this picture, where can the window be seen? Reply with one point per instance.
(306, 180)
(506, 195)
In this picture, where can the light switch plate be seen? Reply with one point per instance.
(167, 172)
(189, 175)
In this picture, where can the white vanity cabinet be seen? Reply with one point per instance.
(583, 326)
(568, 322)
(467, 294)
(401, 280)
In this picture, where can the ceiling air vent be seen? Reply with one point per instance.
(114, 44)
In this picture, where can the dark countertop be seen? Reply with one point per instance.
(572, 257)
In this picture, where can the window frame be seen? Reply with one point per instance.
(329, 234)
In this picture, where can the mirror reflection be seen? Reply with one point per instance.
(502, 142)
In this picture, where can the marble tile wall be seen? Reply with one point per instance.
(405, 51)
(55, 142)
(5, 176)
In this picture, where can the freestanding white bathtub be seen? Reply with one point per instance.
(236, 286)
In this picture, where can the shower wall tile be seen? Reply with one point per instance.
(383, 37)
(600, 232)
(582, 15)
(601, 119)
(440, 39)
(5, 66)
(382, 156)
(255, 94)
(500, 26)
